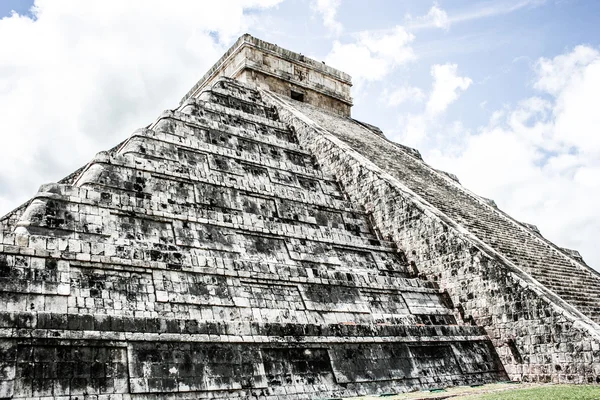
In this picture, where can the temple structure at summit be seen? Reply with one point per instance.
(258, 242)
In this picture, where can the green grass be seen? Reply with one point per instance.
(558, 392)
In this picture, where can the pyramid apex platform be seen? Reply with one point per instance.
(282, 71)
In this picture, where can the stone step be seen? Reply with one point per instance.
(564, 275)
(569, 284)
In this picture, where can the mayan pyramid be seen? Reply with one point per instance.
(257, 242)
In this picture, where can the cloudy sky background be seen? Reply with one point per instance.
(503, 93)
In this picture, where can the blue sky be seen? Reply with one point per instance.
(502, 93)
(496, 52)
(19, 6)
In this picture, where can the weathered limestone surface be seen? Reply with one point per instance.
(539, 305)
(212, 255)
(247, 245)
(269, 66)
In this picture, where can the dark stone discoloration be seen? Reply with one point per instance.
(483, 258)
(69, 370)
(211, 255)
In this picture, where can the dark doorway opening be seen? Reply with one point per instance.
(297, 96)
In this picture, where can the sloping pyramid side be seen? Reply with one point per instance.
(539, 305)
(210, 256)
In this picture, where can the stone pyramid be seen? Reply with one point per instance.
(257, 242)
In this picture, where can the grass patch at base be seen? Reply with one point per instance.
(552, 392)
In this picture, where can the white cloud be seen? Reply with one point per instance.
(494, 8)
(413, 130)
(435, 18)
(328, 10)
(393, 47)
(402, 95)
(540, 160)
(554, 74)
(447, 86)
(373, 55)
(417, 129)
(81, 76)
(357, 60)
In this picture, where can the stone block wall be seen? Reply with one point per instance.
(213, 256)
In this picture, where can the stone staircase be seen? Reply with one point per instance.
(573, 281)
